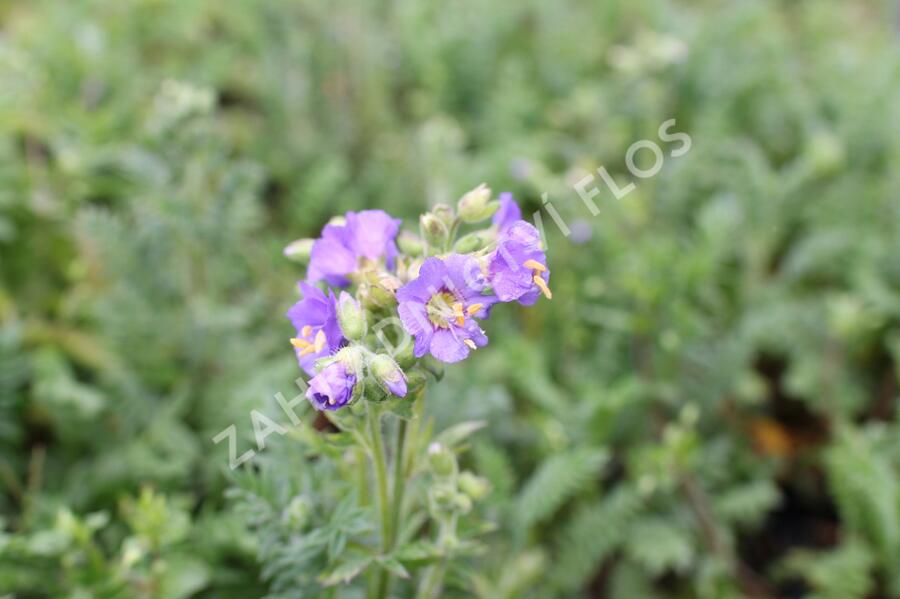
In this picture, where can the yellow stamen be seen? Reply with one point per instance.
(306, 331)
(542, 285)
(303, 345)
(534, 265)
(319, 344)
(470, 343)
(474, 308)
(458, 312)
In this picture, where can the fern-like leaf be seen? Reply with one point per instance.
(592, 534)
(865, 487)
(556, 481)
(659, 546)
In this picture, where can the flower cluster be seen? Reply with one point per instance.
(439, 283)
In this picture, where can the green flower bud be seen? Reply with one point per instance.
(444, 213)
(297, 513)
(475, 487)
(405, 356)
(382, 366)
(351, 317)
(351, 356)
(410, 244)
(449, 541)
(470, 243)
(441, 460)
(299, 250)
(441, 499)
(375, 293)
(476, 206)
(434, 229)
(444, 501)
(462, 504)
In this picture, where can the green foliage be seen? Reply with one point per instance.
(659, 547)
(557, 480)
(843, 573)
(864, 485)
(707, 407)
(592, 534)
(746, 504)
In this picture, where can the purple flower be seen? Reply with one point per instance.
(318, 331)
(364, 236)
(332, 388)
(508, 213)
(517, 269)
(438, 307)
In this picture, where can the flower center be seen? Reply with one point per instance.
(440, 309)
(306, 343)
(444, 308)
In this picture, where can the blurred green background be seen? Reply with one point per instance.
(707, 407)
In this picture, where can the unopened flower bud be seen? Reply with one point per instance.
(351, 317)
(441, 499)
(351, 356)
(299, 250)
(470, 243)
(374, 296)
(475, 487)
(297, 512)
(462, 504)
(434, 229)
(476, 206)
(388, 374)
(410, 244)
(441, 460)
(404, 354)
(445, 213)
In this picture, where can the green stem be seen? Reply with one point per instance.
(431, 584)
(362, 481)
(412, 434)
(380, 467)
(399, 481)
(391, 512)
(396, 503)
(380, 475)
(454, 229)
(434, 578)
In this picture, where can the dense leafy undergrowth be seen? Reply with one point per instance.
(707, 407)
